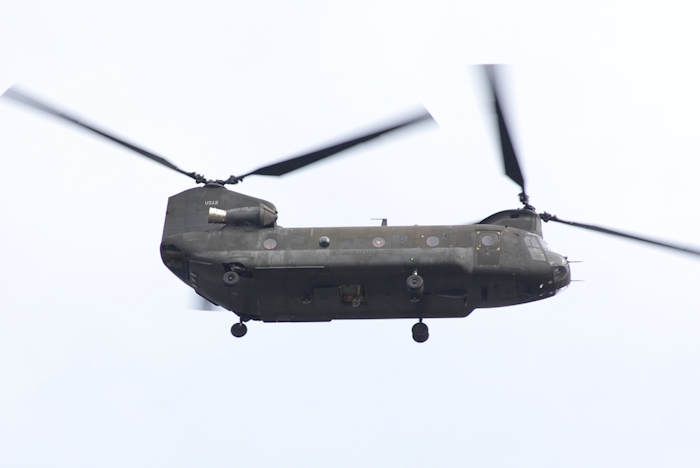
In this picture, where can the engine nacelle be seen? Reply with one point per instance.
(260, 216)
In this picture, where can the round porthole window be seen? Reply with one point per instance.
(270, 244)
(432, 241)
(324, 242)
(488, 240)
(378, 242)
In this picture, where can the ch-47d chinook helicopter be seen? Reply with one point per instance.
(228, 247)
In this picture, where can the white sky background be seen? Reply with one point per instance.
(101, 362)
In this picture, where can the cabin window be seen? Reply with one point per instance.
(432, 241)
(270, 244)
(488, 250)
(488, 240)
(378, 242)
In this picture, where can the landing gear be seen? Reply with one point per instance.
(239, 330)
(420, 332)
(231, 278)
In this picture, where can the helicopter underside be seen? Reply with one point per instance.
(302, 286)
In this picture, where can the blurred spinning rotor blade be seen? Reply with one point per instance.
(510, 160)
(292, 164)
(547, 217)
(30, 101)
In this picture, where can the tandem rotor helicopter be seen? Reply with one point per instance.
(228, 247)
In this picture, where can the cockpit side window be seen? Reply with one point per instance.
(535, 249)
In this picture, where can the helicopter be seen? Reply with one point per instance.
(228, 247)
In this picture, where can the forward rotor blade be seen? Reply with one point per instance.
(18, 96)
(510, 160)
(547, 217)
(292, 164)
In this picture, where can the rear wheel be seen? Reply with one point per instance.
(239, 330)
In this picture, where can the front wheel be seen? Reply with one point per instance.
(420, 332)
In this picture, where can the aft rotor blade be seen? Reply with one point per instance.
(510, 160)
(547, 217)
(18, 96)
(298, 162)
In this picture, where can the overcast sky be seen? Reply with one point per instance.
(103, 364)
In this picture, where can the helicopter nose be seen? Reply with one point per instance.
(560, 271)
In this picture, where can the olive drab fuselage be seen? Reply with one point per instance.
(321, 274)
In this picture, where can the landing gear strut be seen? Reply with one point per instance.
(239, 330)
(420, 332)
